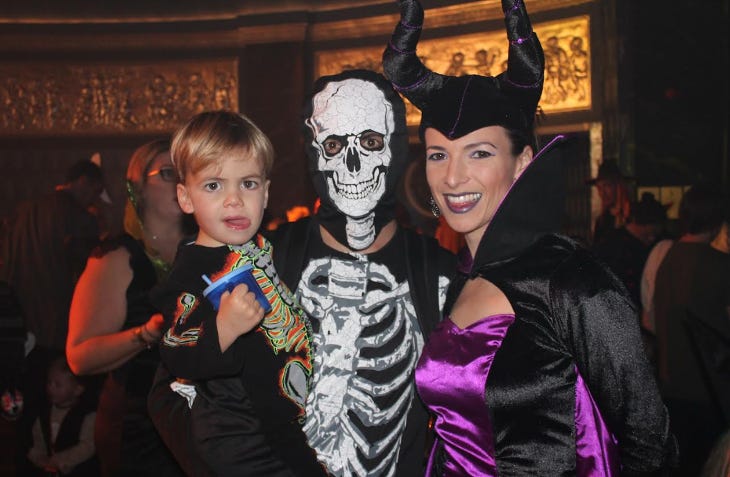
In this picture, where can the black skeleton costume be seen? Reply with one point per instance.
(370, 312)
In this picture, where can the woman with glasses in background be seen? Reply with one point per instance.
(113, 329)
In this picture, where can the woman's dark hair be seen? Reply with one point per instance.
(521, 138)
(701, 209)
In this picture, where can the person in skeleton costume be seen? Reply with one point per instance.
(538, 368)
(372, 289)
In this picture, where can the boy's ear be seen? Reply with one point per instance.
(183, 198)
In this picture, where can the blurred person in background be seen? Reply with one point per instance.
(44, 250)
(63, 434)
(625, 249)
(692, 285)
(113, 328)
(612, 186)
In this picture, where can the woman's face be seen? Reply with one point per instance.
(160, 192)
(470, 176)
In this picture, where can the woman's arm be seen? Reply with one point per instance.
(600, 325)
(96, 342)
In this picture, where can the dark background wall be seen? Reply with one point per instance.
(676, 89)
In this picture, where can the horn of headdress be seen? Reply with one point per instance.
(522, 81)
(401, 65)
(525, 61)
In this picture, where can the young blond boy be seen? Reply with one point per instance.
(245, 373)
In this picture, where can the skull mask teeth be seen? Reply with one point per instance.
(352, 123)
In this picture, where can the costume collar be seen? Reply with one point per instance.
(532, 208)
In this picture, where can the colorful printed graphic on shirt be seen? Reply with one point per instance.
(186, 303)
(285, 327)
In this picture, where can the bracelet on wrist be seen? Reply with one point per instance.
(139, 337)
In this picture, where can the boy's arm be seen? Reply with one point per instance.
(66, 460)
(190, 347)
(200, 342)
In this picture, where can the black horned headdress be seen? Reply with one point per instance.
(459, 105)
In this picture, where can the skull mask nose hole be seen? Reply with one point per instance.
(352, 160)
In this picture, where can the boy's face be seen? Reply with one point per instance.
(62, 388)
(227, 200)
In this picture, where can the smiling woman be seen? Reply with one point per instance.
(470, 175)
(532, 320)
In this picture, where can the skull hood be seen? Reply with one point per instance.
(357, 144)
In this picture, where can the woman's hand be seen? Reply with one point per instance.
(149, 333)
(155, 327)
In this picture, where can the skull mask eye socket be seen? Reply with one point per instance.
(372, 141)
(333, 145)
(369, 141)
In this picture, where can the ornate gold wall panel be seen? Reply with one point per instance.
(567, 61)
(62, 99)
(439, 17)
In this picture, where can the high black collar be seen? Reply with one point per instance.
(532, 208)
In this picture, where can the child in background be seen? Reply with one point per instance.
(244, 373)
(63, 435)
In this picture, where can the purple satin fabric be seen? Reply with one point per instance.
(451, 378)
(595, 446)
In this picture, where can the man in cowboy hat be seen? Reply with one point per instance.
(612, 188)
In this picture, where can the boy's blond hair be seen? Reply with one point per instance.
(212, 135)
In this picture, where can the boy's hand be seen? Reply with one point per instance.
(239, 312)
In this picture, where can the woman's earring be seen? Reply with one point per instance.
(434, 207)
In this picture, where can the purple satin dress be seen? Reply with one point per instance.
(451, 378)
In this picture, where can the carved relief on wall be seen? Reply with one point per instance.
(567, 61)
(112, 98)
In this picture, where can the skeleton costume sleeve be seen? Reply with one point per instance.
(190, 348)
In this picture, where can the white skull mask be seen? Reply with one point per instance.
(352, 123)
